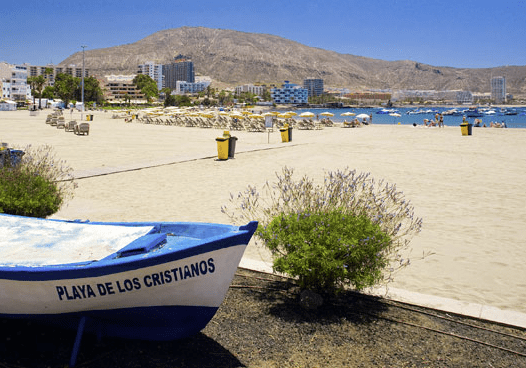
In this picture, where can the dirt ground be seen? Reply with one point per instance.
(260, 324)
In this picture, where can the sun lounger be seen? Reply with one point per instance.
(70, 126)
(82, 128)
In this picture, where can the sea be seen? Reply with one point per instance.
(512, 117)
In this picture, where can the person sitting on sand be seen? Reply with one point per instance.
(497, 125)
(431, 123)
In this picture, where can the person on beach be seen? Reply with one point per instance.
(441, 121)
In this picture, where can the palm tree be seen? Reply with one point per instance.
(48, 74)
(37, 84)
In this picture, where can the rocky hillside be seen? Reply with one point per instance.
(232, 57)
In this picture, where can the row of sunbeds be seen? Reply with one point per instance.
(57, 119)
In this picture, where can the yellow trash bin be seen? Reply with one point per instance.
(222, 148)
(284, 134)
(466, 128)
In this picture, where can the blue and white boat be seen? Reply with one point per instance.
(142, 280)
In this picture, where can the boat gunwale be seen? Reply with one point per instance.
(232, 236)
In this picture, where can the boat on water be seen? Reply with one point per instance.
(140, 280)
(473, 112)
(388, 111)
(509, 112)
(453, 112)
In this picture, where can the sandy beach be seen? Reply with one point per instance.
(469, 190)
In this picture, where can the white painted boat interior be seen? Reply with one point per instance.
(38, 242)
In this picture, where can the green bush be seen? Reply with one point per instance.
(25, 194)
(327, 249)
(349, 231)
(37, 187)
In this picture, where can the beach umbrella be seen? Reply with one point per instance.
(348, 113)
(291, 113)
(307, 114)
(237, 115)
(326, 113)
(363, 116)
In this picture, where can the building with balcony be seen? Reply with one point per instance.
(73, 70)
(120, 87)
(155, 71)
(187, 87)
(250, 88)
(313, 86)
(289, 93)
(14, 82)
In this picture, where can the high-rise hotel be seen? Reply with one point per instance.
(181, 69)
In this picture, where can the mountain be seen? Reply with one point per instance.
(233, 57)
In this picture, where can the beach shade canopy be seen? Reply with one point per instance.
(326, 113)
(237, 115)
(307, 114)
(348, 113)
(363, 116)
(291, 113)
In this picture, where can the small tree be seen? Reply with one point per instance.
(350, 231)
(48, 92)
(37, 85)
(66, 87)
(147, 86)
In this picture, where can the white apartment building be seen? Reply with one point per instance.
(289, 93)
(155, 71)
(188, 87)
(498, 89)
(250, 88)
(14, 82)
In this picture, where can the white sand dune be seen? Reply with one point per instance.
(470, 190)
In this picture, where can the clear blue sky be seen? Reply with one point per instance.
(457, 33)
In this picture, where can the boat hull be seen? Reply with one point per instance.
(155, 295)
